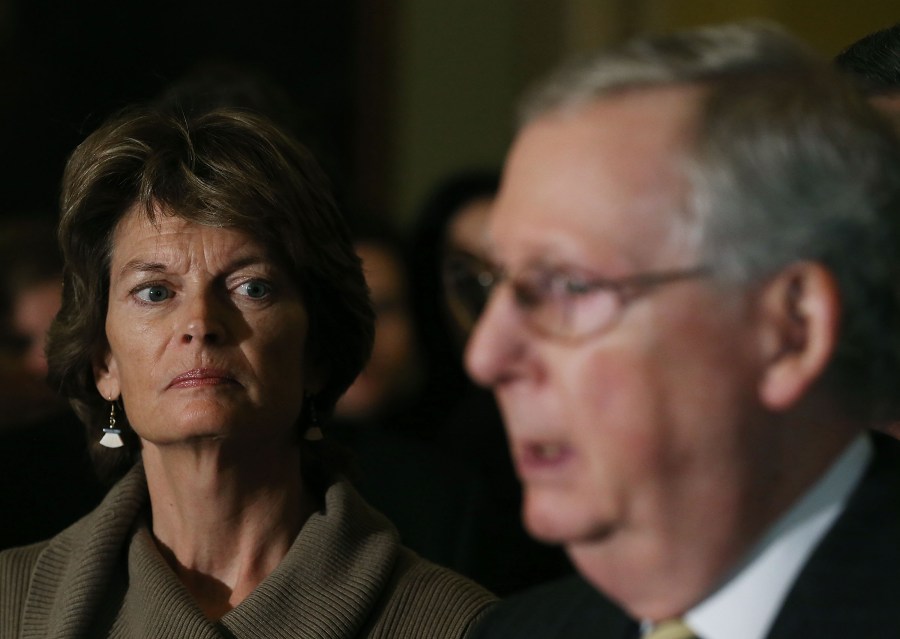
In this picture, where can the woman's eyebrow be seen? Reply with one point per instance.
(249, 260)
(142, 266)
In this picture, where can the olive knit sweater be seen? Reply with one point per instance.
(346, 576)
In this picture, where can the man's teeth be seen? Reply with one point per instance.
(548, 451)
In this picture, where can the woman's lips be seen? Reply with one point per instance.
(202, 377)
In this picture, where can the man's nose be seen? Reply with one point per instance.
(496, 343)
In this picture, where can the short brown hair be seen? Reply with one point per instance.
(223, 168)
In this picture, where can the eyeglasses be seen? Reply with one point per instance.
(553, 302)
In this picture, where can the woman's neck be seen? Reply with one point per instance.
(224, 522)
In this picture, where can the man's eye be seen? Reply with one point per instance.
(533, 289)
(255, 289)
(153, 293)
(575, 286)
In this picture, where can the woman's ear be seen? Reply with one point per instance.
(801, 309)
(106, 374)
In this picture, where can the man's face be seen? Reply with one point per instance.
(629, 440)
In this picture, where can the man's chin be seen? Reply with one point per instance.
(551, 520)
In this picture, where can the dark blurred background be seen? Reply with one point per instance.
(394, 94)
(68, 65)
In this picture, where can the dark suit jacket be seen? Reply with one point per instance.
(849, 588)
(565, 609)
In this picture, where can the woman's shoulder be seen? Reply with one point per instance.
(52, 574)
(16, 569)
(18, 563)
(428, 600)
(38, 571)
(19, 558)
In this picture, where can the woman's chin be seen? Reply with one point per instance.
(203, 433)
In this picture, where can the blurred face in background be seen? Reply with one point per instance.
(465, 239)
(33, 311)
(391, 372)
(466, 231)
(30, 297)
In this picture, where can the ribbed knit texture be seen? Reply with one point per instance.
(346, 576)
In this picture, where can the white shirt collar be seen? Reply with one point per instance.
(746, 605)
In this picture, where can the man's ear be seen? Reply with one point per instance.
(106, 374)
(801, 309)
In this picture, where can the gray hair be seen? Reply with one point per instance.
(699, 55)
(787, 163)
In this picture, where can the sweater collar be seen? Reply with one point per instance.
(330, 580)
(327, 586)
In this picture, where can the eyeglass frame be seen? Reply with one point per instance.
(489, 276)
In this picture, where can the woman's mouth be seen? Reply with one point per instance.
(202, 377)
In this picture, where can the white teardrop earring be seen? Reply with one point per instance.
(112, 436)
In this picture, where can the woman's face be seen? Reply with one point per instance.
(206, 334)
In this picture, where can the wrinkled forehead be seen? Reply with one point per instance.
(164, 237)
(602, 183)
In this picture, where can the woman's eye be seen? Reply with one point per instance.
(153, 293)
(255, 289)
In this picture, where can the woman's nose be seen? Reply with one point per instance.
(203, 321)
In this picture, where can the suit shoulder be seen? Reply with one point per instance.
(568, 608)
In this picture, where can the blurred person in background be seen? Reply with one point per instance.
(437, 503)
(448, 225)
(391, 381)
(30, 294)
(48, 481)
(447, 235)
